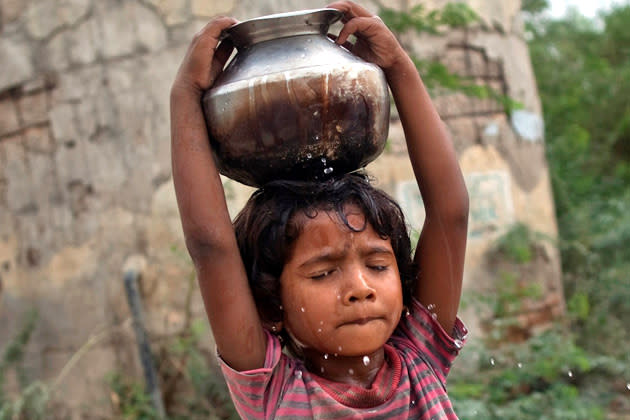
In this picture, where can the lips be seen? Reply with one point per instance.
(361, 321)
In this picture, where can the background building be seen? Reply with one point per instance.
(85, 172)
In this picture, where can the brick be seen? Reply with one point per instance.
(455, 60)
(8, 116)
(477, 63)
(17, 67)
(63, 123)
(173, 11)
(11, 9)
(38, 140)
(211, 8)
(34, 108)
(464, 132)
(84, 43)
(150, 31)
(42, 18)
(495, 69)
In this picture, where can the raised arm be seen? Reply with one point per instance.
(210, 238)
(442, 244)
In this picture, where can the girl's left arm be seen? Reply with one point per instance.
(442, 244)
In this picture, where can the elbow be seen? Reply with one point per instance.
(461, 217)
(203, 247)
(461, 209)
(453, 211)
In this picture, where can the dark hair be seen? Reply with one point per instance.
(266, 229)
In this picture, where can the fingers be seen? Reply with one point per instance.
(364, 27)
(203, 60)
(221, 55)
(208, 36)
(350, 10)
(224, 51)
(347, 45)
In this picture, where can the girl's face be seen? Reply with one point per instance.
(341, 290)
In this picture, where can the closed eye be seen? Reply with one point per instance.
(322, 275)
(377, 267)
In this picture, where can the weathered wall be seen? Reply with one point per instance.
(85, 168)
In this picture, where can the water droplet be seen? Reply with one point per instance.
(302, 309)
(321, 369)
(628, 386)
(570, 373)
(326, 356)
(319, 330)
(434, 316)
(407, 312)
(492, 361)
(458, 344)
(519, 365)
(338, 297)
(431, 307)
(324, 160)
(281, 307)
(366, 360)
(328, 171)
(309, 156)
(351, 371)
(298, 373)
(413, 402)
(336, 354)
(316, 113)
(321, 322)
(273, 328)
(339, 348)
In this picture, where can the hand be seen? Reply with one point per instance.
(204, 61)
(375, 42)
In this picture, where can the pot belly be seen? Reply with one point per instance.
(300, 124)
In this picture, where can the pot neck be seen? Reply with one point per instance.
(266, 28)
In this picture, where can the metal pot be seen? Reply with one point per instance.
(292, 104)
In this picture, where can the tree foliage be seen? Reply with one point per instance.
(583, 72)
(581, 368)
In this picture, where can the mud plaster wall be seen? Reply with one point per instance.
(85, 168)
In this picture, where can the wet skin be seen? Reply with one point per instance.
(342, 297)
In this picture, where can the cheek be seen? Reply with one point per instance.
(310, 312)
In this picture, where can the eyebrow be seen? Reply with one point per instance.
(328, 256)
(376, 249)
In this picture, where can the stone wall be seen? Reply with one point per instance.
(85, 168)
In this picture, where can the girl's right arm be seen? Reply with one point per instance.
(206, 223)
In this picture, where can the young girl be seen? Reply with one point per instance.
(326, 267)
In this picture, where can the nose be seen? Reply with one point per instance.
(358, 288)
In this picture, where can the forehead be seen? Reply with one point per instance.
(325, 229)
(324, 219)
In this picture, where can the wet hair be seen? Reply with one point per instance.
(268, 226)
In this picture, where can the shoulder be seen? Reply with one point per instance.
(255, 391)
(420, 335)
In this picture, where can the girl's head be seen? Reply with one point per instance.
(269, 226)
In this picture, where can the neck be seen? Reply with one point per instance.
(354, 370)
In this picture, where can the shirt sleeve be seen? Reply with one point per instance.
(433, 344)
(254, 391)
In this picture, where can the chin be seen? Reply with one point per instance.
(363, 347)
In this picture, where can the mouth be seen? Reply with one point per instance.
(361, 321)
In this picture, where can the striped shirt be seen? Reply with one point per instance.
(410, 385)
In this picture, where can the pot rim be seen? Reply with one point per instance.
(281, 25)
